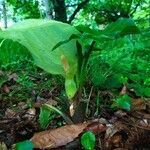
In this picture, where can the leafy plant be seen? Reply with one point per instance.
(52, 108)
(24, 9)
(122, 61)
(24, 145)
(88, 140)
(39, 37)
(45, 117)
(92, 40)
(123, 102)
(45, 40)
(12, 52)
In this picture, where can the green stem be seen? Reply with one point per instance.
(66, 118)
(84, 64)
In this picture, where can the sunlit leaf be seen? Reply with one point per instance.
(88, 140)
(123, 102)
(39, 37)
(25, 145)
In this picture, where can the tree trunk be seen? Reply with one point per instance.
(48, 6)
(4, 13)
(60, 10)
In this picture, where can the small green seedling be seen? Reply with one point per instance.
(25, 145)
(88, 140)
(123, 102)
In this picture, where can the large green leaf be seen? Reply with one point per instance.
(39, 37)
(122, 26)
(119, 28)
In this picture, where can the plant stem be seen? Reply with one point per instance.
(66, 118)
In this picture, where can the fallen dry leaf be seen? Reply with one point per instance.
(124, 90)
(6, 89)
(30, 114)
(96, 127)
(52, 102)
(13, 76)
(138, 104)
(111, 130)
(9, 113)
(58, 137)
(22, 106)
(116, 139)
(39, 103)
(3, 146)
(72, 110)
(120, 114)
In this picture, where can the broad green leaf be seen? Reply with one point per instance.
(122, 26)
(146, 92)
(39, 37)
(25, 145)
(88, 140)
(142, 91)
(147, 81)
(86, 29)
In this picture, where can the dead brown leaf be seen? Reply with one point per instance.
(13, 76)
(30, 114)
(138, 104)
(51, 102)
(72, 110)
(96, 127)
(9, 113)
(124, 90)
(58, 137)
(6, 89)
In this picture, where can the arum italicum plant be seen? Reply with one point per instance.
(58, 48)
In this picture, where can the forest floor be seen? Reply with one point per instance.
(22, 93)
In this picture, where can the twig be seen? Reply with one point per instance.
(135, 9)
(4, 13)
(72, 5)
(79, 7)
(88, 101)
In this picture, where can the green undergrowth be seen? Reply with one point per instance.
(99, 62)
(12, 52)
(26, 82)
(125, 61)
